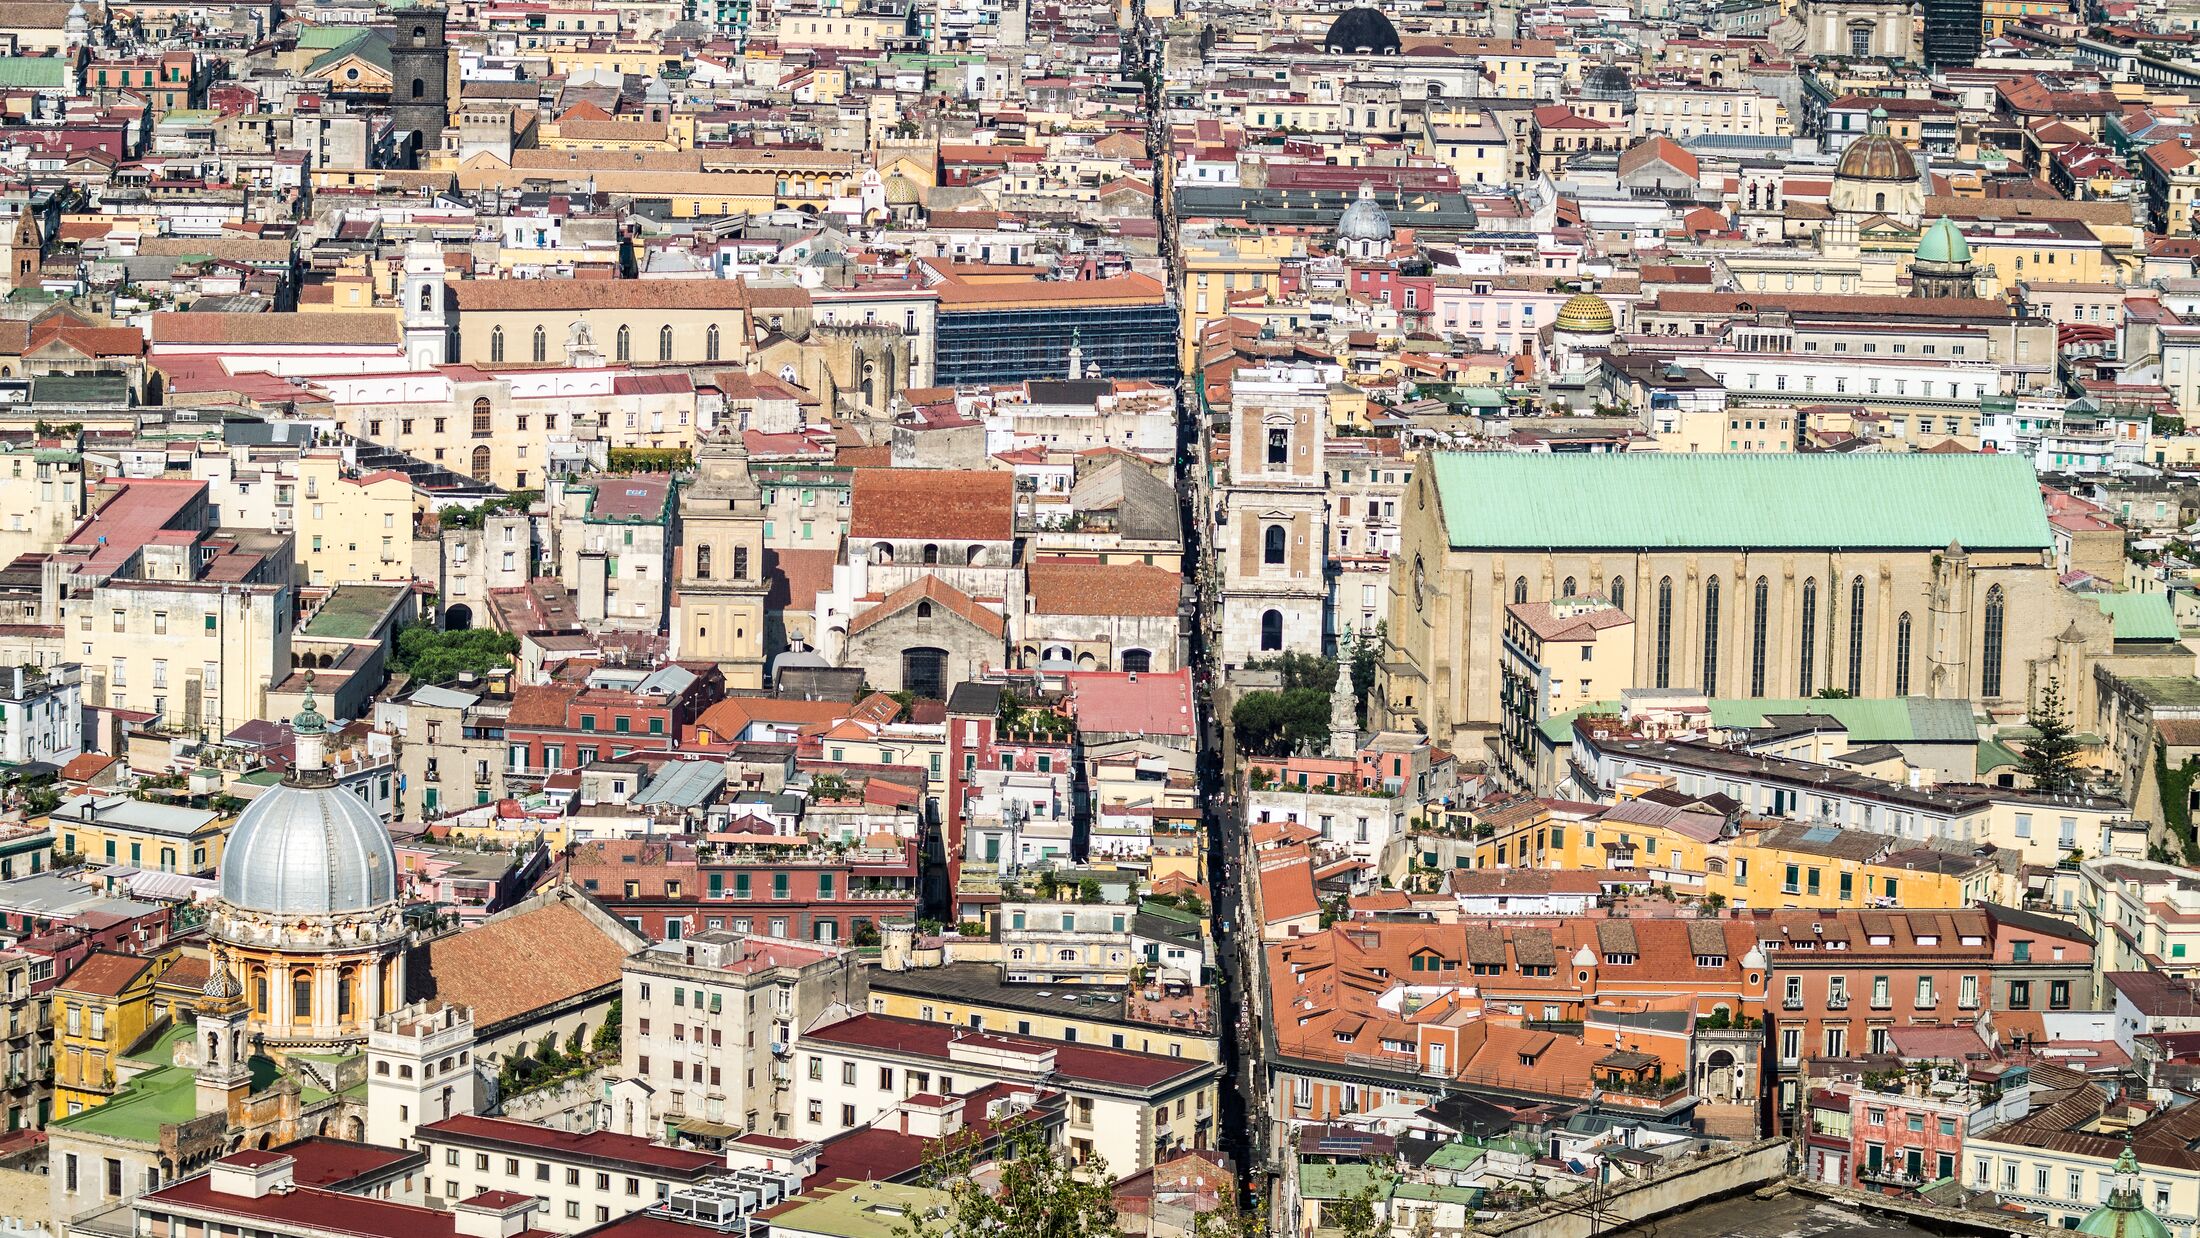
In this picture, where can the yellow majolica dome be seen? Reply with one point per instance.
(1585, 313)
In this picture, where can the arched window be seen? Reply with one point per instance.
(625, 343)
(496, 346)
(1520, 589)
(1137, 660)
(1902, 655)
(542, 345)
(1279, 446)
(1271, 550)
(702, 562)
(1758, 624)
(975, 555)
(482, 418)
(1808, 652)
(1665, 632)
(301, 996)
(710, 343)
(1271, 630)
(481, 462)
(924, 610)
(427, 296)
(1711, 637)
(1856, 636)
(1989, 675)
(931, 553)
(1879, 202)
(664, 342)
(1619, 592)
(420, 88)
(1568, 591)
(740, 563)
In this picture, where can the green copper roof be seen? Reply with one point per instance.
(1943, 242)
(2139, 616)
(33, 72)
(1898, 720)
(1661, 501)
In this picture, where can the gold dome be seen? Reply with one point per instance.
(1585, 313)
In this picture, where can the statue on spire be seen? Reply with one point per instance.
(1344, 713)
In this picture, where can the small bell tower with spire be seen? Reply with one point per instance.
(225, 1058)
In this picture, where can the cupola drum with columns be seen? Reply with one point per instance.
(308, 911)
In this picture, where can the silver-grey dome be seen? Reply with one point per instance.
(1364, 220)
(308, 850)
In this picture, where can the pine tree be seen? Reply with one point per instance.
(2051, 757)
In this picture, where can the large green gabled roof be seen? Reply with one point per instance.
(2139, 616)
(1675, 501)
(1890, 720)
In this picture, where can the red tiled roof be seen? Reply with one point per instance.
(309, 1207)
(520, 962)
(1120, 702)
(930, 589)
(599, 1146)
(105, 974)
(957, 505)
(1071, 1060)
(1068, 587)
(332, 1163)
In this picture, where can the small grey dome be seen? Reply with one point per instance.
(1364, 219)
(308, 850)
(1608, 83)
(1361, 30)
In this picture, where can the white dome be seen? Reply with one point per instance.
(308, 850)
(1364, 219)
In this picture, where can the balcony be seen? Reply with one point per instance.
(1791, 1002)
(1837, 1001)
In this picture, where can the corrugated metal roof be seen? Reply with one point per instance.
(1655, 501)
(684, 784)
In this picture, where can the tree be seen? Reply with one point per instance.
(1041, 1194)
(1088, 890)
(1272, 724)
(1300, 670)
(547, 1052)
(433, 656)
(1355, 1215)
(2050, 759)
(607, 1034)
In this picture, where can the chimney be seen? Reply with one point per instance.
(493, 1214)
(253, 1174)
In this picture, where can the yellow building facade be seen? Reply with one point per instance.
(99, 1011)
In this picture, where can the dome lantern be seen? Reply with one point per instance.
(2124, 1215)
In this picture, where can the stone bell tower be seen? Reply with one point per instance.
(224, 1053)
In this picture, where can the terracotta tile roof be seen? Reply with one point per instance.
(1066, 587)
(930, 589)
(953, 505)
(1072, 1060)
(730, 717)
(565, 294)
(105, 974)
(349, 330)
(524, 961)
(540, 704)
